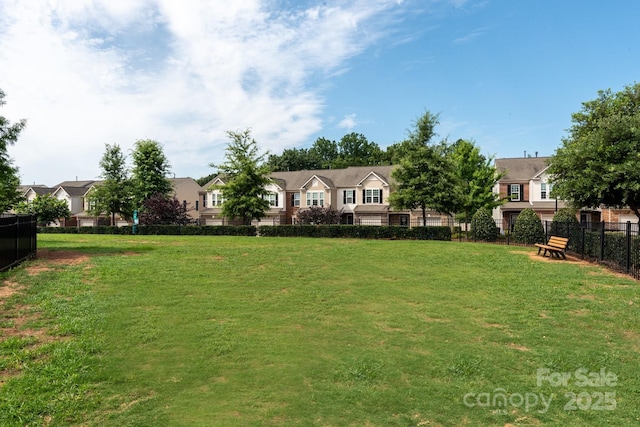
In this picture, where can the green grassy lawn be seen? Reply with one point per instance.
(229, 331)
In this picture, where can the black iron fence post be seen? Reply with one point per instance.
(628, 246)
(602, 227)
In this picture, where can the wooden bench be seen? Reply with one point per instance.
(555, 246)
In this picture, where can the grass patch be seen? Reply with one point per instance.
(176, 330)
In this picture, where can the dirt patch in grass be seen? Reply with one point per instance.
(47, 260)
(518, 347)
(9, 289)
(62, 257)
(582, 297)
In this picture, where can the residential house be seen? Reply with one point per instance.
(75, 193)
(187, 191)
(30, 192)
(360, 192)
(526, 184)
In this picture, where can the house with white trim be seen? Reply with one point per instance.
(361, 193)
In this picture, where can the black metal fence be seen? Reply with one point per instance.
(616, 245)
(17, 239)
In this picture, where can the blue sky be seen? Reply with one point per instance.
(506, 74)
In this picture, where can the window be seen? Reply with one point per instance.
(272, 198)
(295, 199)
(349, 197)
(204, 200)
(545, 190)
(372, 195)
(315, 198)
(515, 192)
(216, 199)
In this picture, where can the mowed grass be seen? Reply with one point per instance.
(229, 331)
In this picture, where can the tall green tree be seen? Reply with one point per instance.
(426, 177)
(45, 207)
(9, 180)
(356, 150)
(477, 178)
(150, 170)
(246, 176)
(422, 134)
(598, 162)
(293, 159)
(324, 153)
(115, 194)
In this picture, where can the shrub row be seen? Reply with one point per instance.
(357, 231)
(174, 230)
(348, 231)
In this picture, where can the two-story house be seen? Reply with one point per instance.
(360, 192)
(526, 184)
(75, 194)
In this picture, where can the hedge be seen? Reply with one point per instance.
(347, 231)
(356, 231)
(174, 230)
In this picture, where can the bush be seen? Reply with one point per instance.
(564, 221)
(319, 215)
(528, 228)
(483, 227)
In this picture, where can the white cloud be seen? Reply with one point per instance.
(89, 72)
(348, 122)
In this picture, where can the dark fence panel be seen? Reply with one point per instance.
(616, 245)
(17, 239)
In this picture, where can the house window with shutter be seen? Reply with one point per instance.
(372, 196)
(295, 199)
(348, 197)
(514, 194)
(315, 198)
(543, 191)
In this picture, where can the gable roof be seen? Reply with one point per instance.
(39, 190)
(521, 169)
(323, 179)
(336, 178)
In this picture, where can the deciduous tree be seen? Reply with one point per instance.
(115, 194)
(160, 209)
(425, 177)
(9, 180)
(477, 178)
(598, 162)
(45, 207)
(246, 176)
(150, 170)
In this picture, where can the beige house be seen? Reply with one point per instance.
(75, 193)
(527, 184)
(360, 192)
